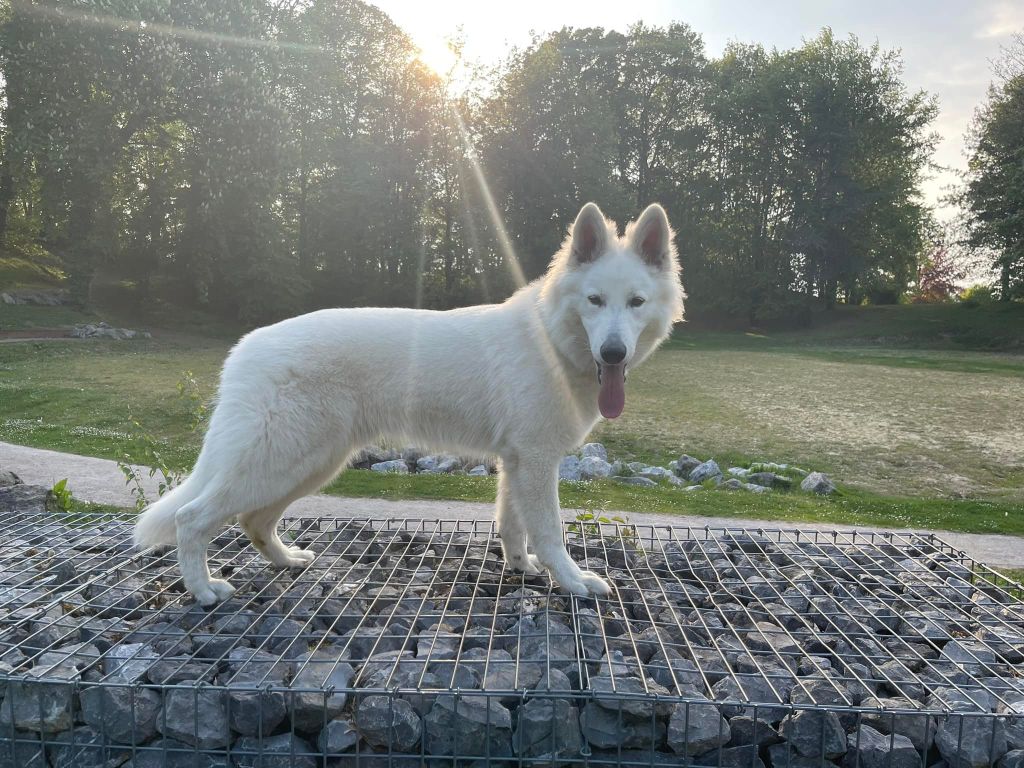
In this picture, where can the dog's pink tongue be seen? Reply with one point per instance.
(612, 397)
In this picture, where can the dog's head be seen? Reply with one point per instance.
(625, 290)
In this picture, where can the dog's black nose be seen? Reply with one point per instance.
(613, 351)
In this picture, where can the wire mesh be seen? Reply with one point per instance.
(409, 642)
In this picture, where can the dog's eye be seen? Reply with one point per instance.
(637, 301)
(596, 300)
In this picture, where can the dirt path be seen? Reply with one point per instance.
(100, 480)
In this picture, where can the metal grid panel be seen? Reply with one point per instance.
(425, 615)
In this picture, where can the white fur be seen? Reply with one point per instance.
(515, 380)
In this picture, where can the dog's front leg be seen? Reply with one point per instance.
(534, 489)
(511, 527)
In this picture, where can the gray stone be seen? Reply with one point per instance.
(655, 473)
(394, 466)
(593, 467)
(8, 478)
(694, 728)
(783, 755)
(732, 484)
(178, 669)
(474, 725)
(1007, 642)
(123, 713)
(426, 463)
(84, 747)
(730, 757)
(168, 753)
(709, 470)
(1014, 710)
(685, 464)
(547, 728)
(1012, 759)
(919, 728)
(569, 468)
(764, 479)
(754, 689)
(813, 732)
(870, 748)
(541, 640)
(750, 730)
(676, 673)
(320, 672)
(754, 488)
(505, 674)
(196, 716)
(284, 751)
(966, 741)
(25, 499)
(972, 656)
(254, 708)
(439, 465)
(41, 700)
(478, 471)
(594, 449)
(388, 722)
(641, 482)
(129, 662)
(818, 482)
(340, 735)
(605, 729)
(26, 752)
(631, 695)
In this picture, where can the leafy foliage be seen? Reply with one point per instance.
(994, 193)
(152, 456)
(62, 495)
(260, 158)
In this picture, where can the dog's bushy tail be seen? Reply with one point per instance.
(156, 524)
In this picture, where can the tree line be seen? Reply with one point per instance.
(993, 195)
(261, 158)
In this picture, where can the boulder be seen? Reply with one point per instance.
(819, 483)
(593, 467)
(709, 470)
(569, 469)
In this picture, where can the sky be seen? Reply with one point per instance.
(947, 45)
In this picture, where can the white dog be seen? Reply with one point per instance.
(524, 381)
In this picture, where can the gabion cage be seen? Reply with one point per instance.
(410, 643)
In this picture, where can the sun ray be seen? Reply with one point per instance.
(508, 252)
(158, 29)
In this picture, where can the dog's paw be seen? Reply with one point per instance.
(300, 557)
(528, 564)
(213, 592)
(595, 584)
(585, 584)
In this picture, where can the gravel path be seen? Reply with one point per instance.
(100, 480)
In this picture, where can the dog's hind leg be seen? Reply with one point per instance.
(260, 525)
(534, 486)
(511, 527)
(197, 523)
(261, 528)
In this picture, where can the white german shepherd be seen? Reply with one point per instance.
(524, 381)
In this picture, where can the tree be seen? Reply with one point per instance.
(861, 145)
(994, 194)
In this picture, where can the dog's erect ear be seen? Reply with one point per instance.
(589, 235)
(651, 236)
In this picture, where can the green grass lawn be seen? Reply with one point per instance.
(921, 435)
(847, 508)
